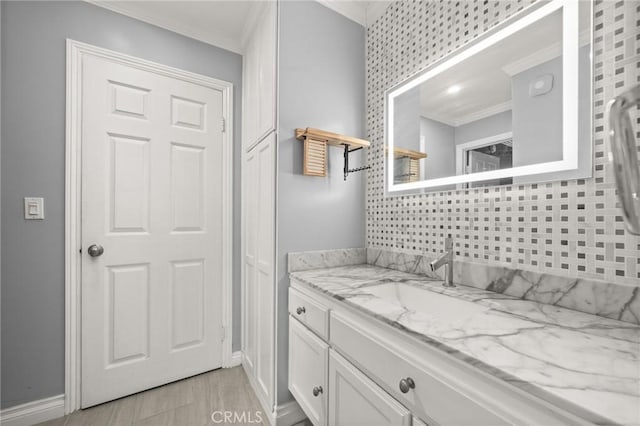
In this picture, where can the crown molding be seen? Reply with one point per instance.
(543, 55)
(536, 58)
(350, 9)
(477, 115)
(484, 113)
(376, 9)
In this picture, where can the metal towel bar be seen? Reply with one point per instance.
(624, 152)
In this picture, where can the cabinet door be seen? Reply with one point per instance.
(250, 93)
(356, 400)
(308, 359)
(267, 71)
(259, 76)
(259, 282)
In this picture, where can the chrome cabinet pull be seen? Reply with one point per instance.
(407, 384)
(625, 156)
(317, 390)
(301, 310)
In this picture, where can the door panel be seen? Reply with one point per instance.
(129, 184)
(187, 188)
(128, 313)
(265, 266)
(187, 313)
(151, 197)
(259, 237)
(250, 317)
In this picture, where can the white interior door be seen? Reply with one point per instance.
(480, 162)
(151, 199)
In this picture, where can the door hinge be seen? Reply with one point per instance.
(224, 125)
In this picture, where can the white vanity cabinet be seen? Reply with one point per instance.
(330, 389)
(354, 399)
(372, 373)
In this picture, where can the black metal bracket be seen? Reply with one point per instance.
(346, 162)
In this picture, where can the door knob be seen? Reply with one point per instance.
(95, 250)
(301, 310)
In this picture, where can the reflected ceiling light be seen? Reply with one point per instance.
(453, 89)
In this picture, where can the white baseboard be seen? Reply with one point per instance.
(236, 360)
(262, 398)
(289, 413)
(33, 412)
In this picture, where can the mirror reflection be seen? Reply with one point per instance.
(498, 109)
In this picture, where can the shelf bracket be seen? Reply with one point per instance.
(346, 162)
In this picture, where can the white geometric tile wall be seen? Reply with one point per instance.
(572, 228)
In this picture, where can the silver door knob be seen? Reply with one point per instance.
(95, 250)
(407, 384)
(317, 390)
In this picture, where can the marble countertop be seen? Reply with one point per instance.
(586, 364)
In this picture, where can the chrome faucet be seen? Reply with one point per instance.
(446, 258)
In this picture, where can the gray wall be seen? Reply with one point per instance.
(441, 139)
(33, 114)
(407, 120)
(328, 93)
(537, 120)
(440, 148)
(483, 128)
(553, 124)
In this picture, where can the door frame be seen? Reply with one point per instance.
(477, 143)
(76, 51)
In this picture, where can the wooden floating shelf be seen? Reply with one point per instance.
(331, 138)
(401, 152)
(315, 154)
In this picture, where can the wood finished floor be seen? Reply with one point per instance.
(189, 402)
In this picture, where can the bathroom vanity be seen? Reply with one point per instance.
(372, 345)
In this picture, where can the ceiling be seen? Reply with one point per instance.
(222, 22)
(485, 79)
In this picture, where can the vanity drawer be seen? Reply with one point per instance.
(309, 312)
(431, 398)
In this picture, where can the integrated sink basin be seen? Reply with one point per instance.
(440, 306)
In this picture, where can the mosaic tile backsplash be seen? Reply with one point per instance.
(568, 228)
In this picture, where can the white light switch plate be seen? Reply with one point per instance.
(33, 208)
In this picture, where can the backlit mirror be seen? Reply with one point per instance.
(513, 106)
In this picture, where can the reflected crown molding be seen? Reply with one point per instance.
(477, 115)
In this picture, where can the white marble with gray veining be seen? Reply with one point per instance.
(608, 300)
(302, 261)
(586, 364)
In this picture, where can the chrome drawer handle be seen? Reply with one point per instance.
(407, 384)
(301, 310)
(317, 390)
